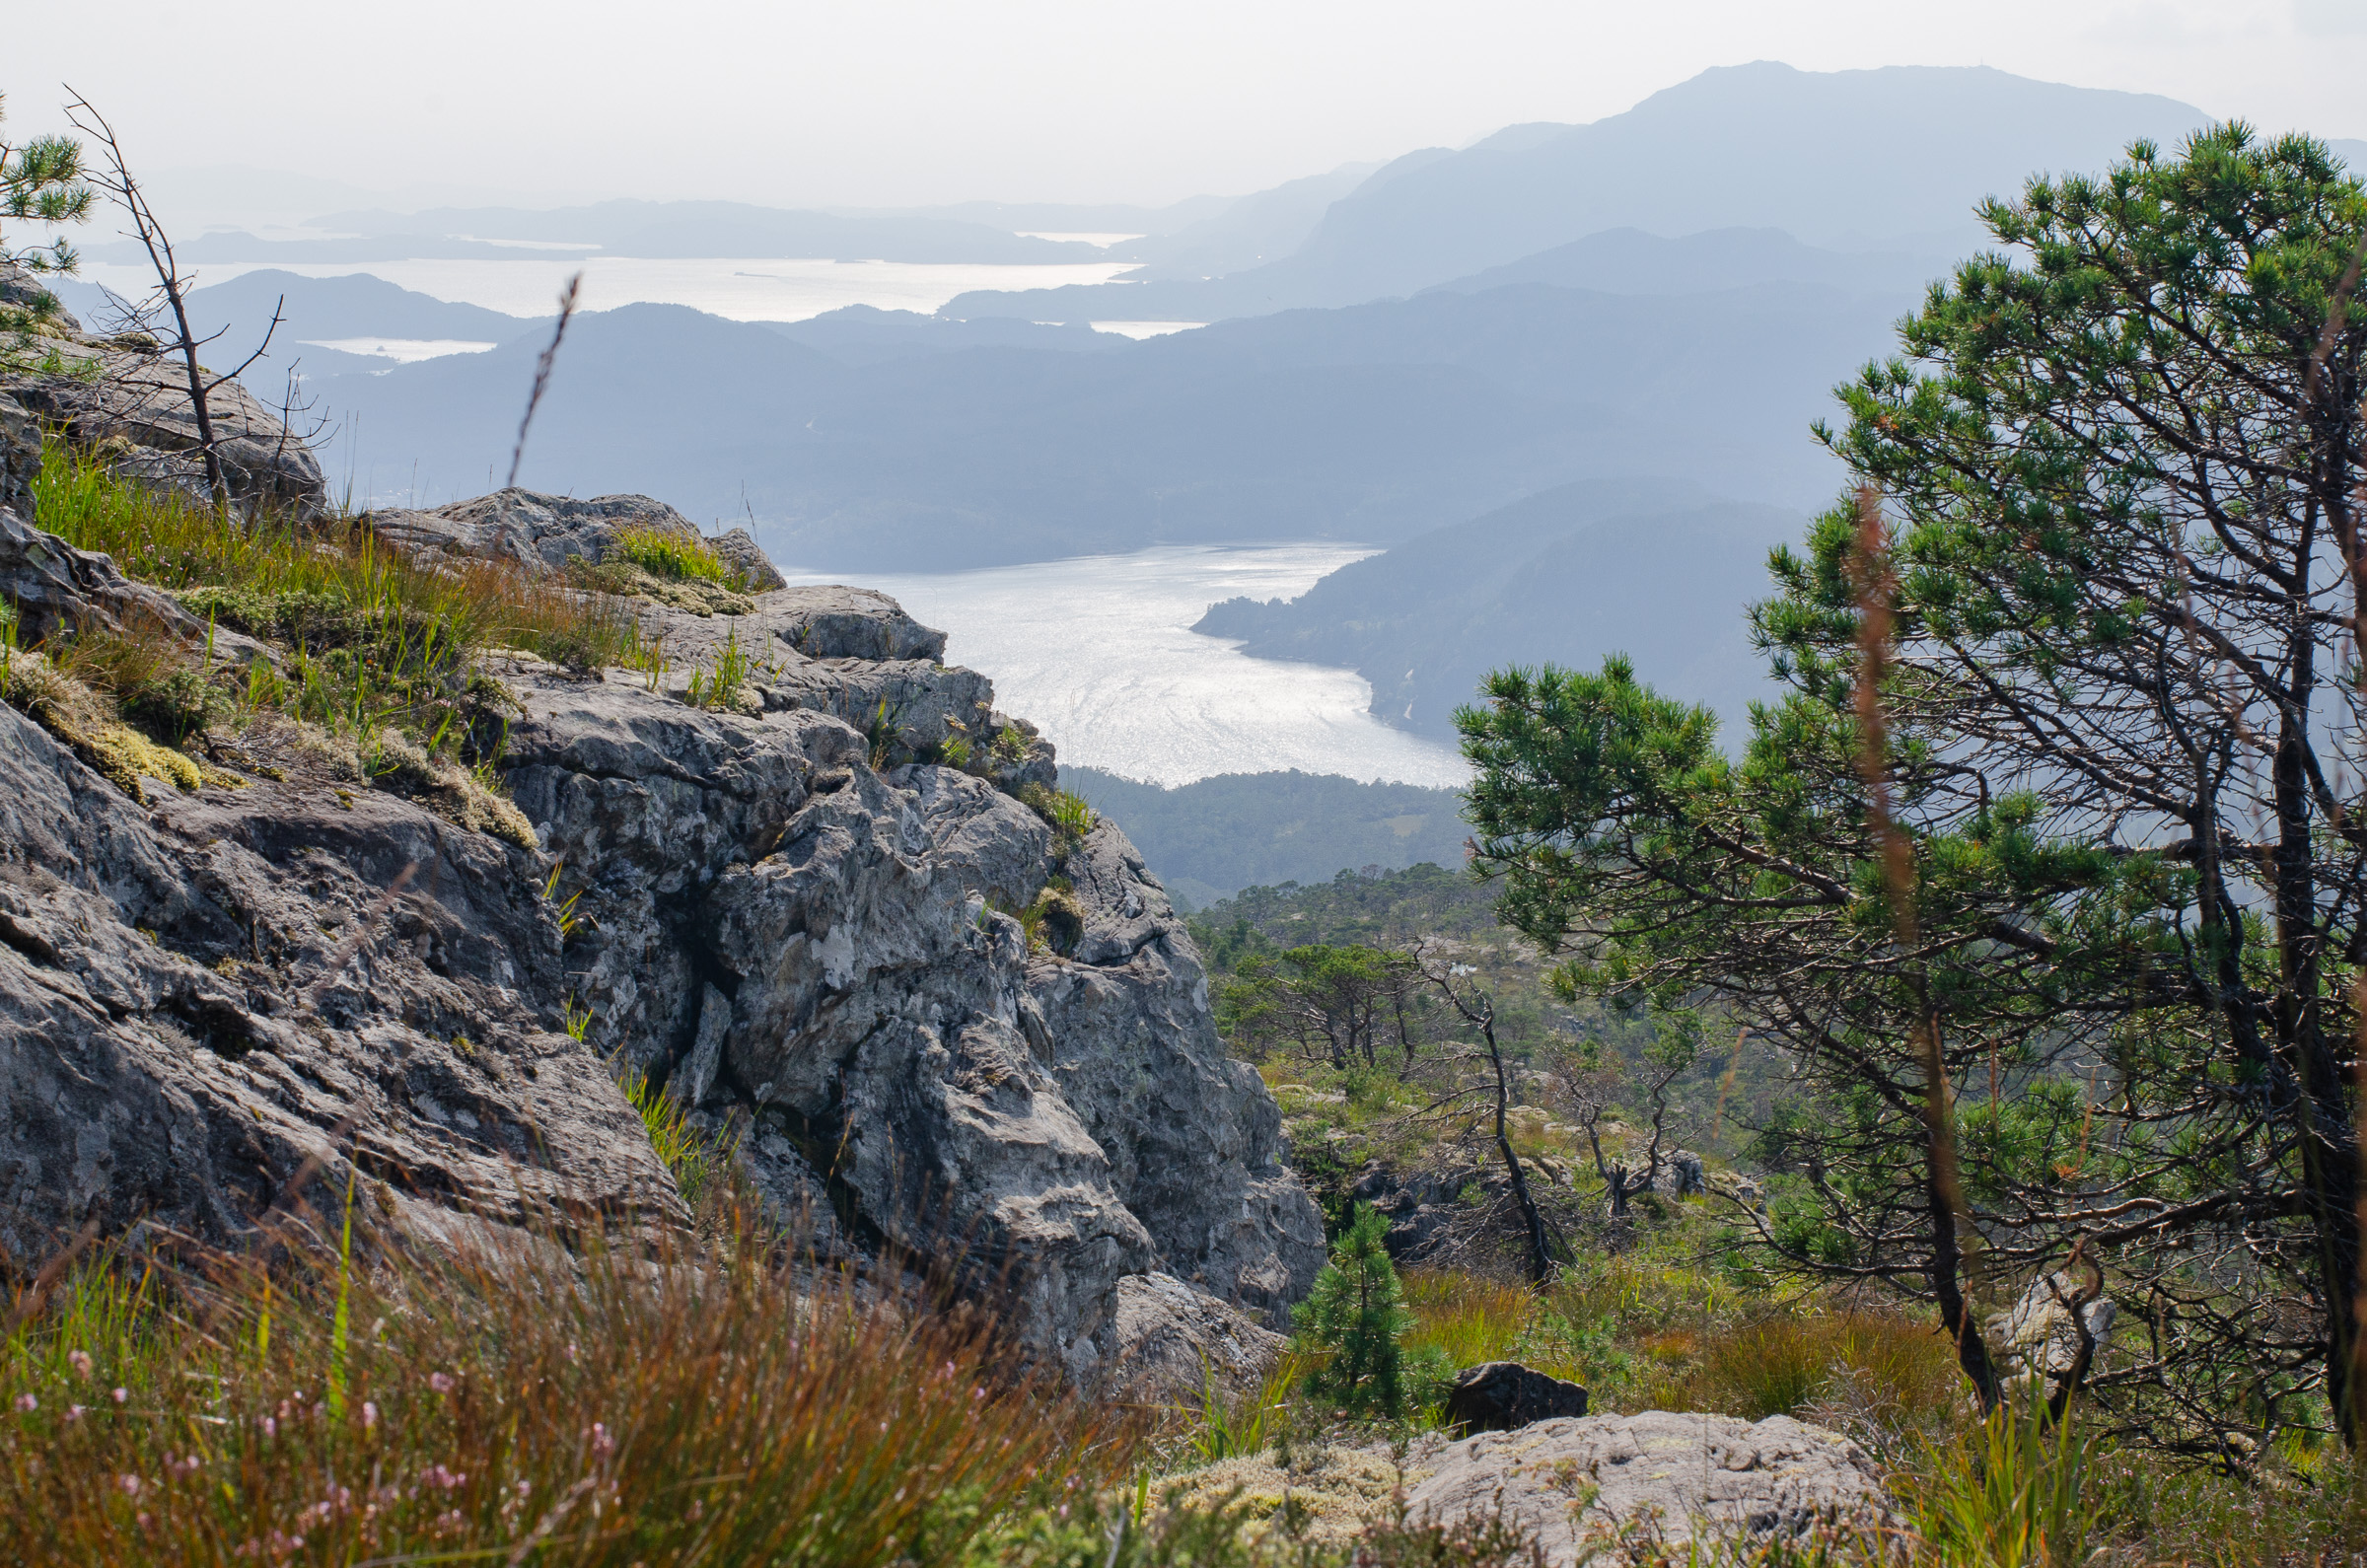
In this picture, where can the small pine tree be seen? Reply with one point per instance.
(1356, 1315)
(40, 182)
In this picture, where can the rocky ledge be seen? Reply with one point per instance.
(782, 903)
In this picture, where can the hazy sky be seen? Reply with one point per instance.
(909, 101)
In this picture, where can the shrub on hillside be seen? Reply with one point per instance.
(1356, 1320)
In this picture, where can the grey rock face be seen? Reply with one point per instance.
(137, 407)
(19, 459)
(530, 526)
(196, 997)
(1170, 1341)
(1195, 1140)
(1502, 1396)
(1572, 1480)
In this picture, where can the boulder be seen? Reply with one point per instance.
(1169, 1342)
(836, 623)
(23, 289)
(1578, 1482)
(1501, 1396)
(738, 551)
(1680, 1174)
(2037, 1337)
(52, 585)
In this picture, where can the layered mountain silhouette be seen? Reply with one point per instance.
(1665, 294)
(1890, 160)
(858, 446)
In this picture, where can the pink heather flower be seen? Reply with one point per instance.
(74, 1411)
(122, 1394)
(130, 1485)
(603, 1443)
(439, 1382)
(270, 1427)
(27, 1403)
(369, 1416)
(81, 1363)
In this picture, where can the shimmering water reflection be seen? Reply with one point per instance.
(1098, 653)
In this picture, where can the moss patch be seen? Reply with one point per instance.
(80, 718)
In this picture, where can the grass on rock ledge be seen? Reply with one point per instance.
(380, 666)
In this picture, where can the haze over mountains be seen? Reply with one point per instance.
(1569, 370)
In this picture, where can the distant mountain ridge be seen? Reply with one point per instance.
(1370, 423)
(1889, 158)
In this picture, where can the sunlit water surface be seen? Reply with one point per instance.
(1098, 653)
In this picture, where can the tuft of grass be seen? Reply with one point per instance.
(674, 557)
(1069, 813)
(697, 1159)
(515, 1405)
(1230, 1429)
(330, 584)
(2013, 1493)
(1469, 1318)
(719, 686)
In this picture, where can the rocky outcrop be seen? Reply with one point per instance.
(202, 994)
(790, 915)
(126, 398)
(1579, 1482)
(813, 947)
(1173, 1345)
(530, 528)
(1502, 1396)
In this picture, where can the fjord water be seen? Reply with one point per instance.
(1098, 652)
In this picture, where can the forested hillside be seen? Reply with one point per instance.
(1210, 839)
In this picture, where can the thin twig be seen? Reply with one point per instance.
(534, 400)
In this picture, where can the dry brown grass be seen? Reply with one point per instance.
(512, 1405)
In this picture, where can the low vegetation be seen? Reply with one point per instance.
(379, 669)
(675, 556)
